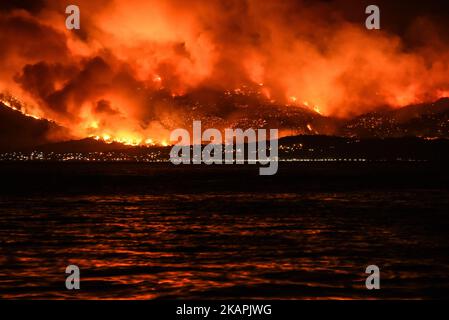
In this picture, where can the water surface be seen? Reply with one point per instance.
(133, 241)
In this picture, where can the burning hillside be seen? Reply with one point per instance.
(138, 69)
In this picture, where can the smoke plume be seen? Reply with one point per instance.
(124, 73)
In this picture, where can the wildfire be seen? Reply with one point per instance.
(313, 107)
(93, 125)
(129, 140)
(138, 61)
(12, 107)
(311, 129)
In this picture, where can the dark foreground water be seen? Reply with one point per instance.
(155, 231)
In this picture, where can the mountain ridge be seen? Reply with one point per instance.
(426, 120)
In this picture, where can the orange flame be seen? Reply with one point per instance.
(123, 77)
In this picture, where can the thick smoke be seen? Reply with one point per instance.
(117, 76)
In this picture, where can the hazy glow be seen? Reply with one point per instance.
(108, 79)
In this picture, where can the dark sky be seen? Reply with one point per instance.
(396, 11)
(397, 15)
(30, 5)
